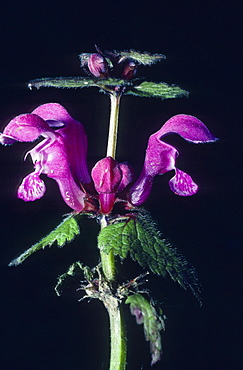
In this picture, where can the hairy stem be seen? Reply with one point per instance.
(112, 303)
(115, 98)
(118, 344)
(107, 260)
(118, 348)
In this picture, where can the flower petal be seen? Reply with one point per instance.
(31, 188)
(74, 137)
(107, 201)
(6, 140)
(182, 184)
(54, 162)
(51, 158)
(61, 155)
(160, 157)
(53, 112)
(141, 190)
(25, 127)
(188, 127)
(71, 193)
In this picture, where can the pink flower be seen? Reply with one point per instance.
(61, 155)
(110, 178)
(160, 157)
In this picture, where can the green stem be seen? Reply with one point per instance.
(107, 260)
(115, 98)
(118, 348)
(117, 337)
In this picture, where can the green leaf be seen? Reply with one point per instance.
(76, 82)
(118, 237)
(65, 232)
(62, 82)
(157, 90)
(142, 58)
(138, 236)
(152, 323)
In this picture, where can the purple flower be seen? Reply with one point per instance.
(61, 155)
(110, 178)
(160, 157)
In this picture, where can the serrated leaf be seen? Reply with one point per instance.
(112, 82)
(119, 237)
(62, 82)
(138, 236)
(157, 90)
(76, 82)
(65, 232)
(144, 58)
(145, 314)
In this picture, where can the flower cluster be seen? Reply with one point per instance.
(108, 64)
(61, 155)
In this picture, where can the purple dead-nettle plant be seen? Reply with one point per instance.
(110, 192)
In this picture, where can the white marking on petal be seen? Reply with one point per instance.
(31, 188)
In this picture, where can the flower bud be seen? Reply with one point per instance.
(127, 175)
(129, 71)
(107, 176)
(98, 65)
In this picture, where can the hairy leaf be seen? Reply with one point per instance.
(142, 58)
(65, 232)
(145, 314)
(157, 90)
(75, 82)
(138, 236)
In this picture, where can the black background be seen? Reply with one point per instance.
(201, 41)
